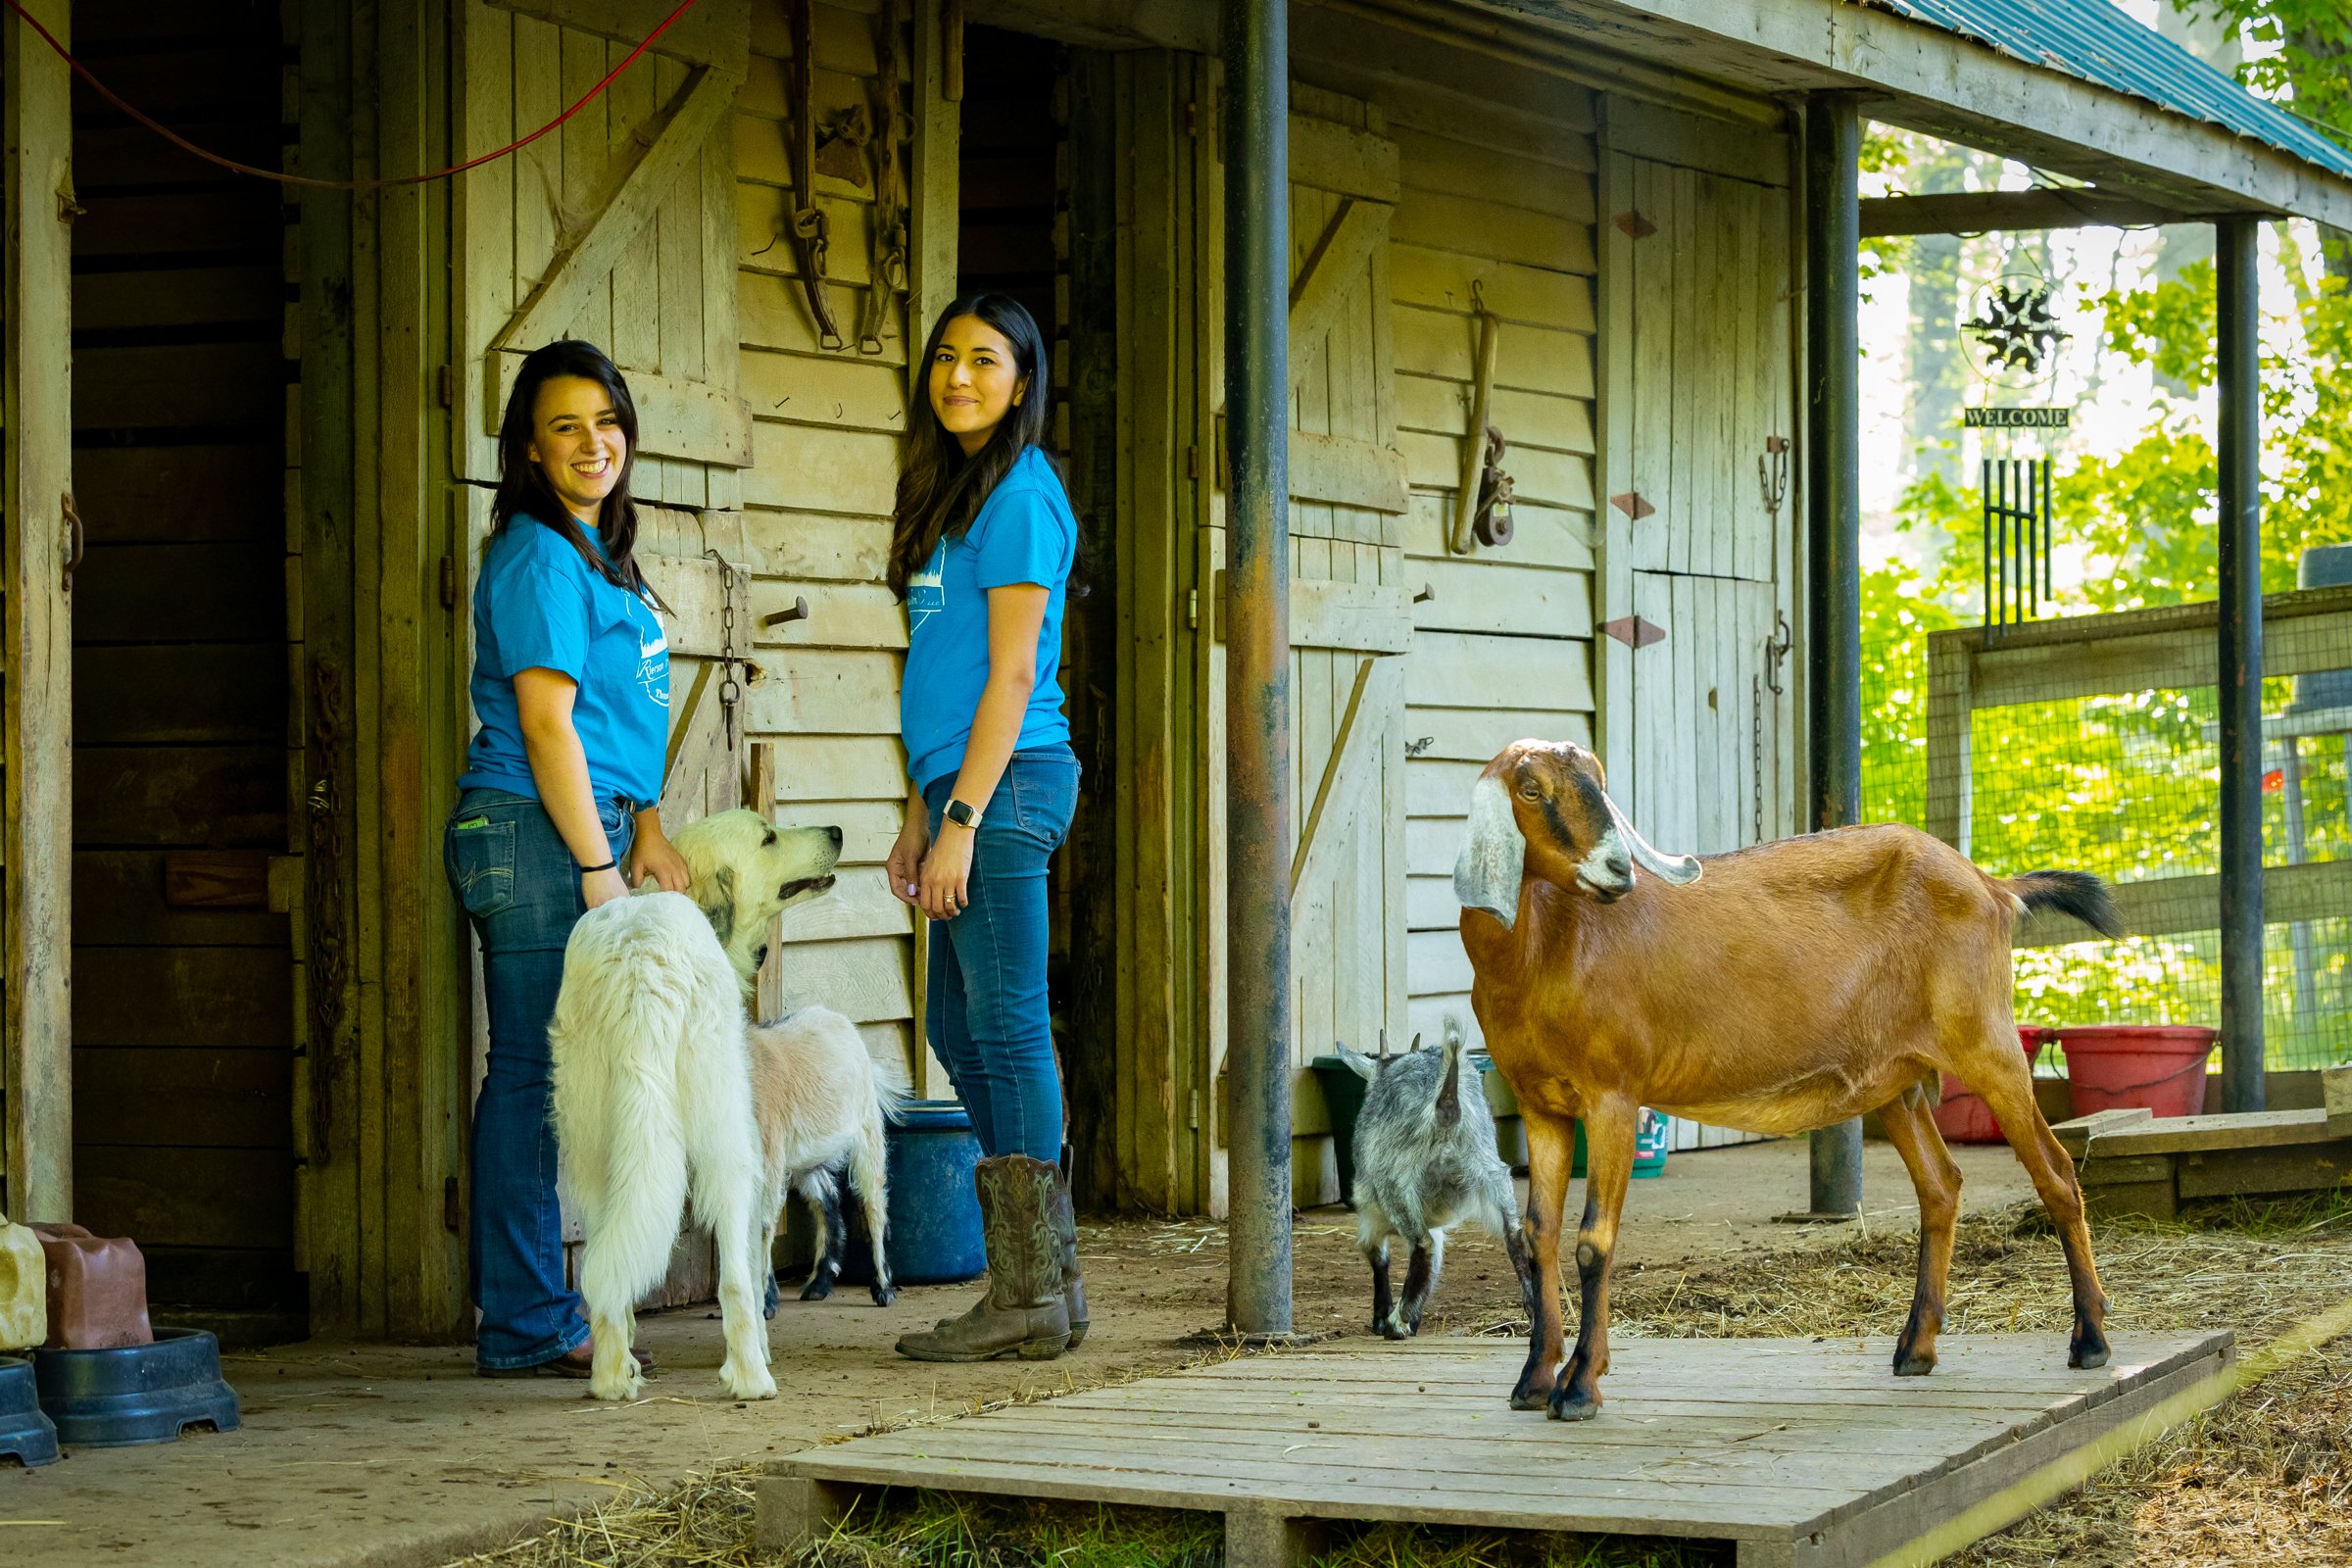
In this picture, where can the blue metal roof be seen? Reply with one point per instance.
(2101, 43)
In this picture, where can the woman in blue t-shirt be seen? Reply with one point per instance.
(558, 811)
(981, 552)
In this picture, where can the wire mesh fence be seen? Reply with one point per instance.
(2091, 744)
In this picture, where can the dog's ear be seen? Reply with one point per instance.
(718, 898)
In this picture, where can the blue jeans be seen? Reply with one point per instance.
(519, 885)
(987, 1002)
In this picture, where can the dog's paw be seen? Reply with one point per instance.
(620, 1389)
(752, 1383)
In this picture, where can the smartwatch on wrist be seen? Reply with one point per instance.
(961, 814)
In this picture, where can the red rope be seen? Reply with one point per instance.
(190, 148)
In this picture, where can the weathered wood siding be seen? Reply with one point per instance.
(1502, 645)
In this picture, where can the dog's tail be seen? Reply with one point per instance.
(620, 1019)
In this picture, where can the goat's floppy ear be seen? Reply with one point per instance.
(717, 899)
(1361, 1065)
(1494, 856)
(1679, 869)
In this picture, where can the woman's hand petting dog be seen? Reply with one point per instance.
(653, 856)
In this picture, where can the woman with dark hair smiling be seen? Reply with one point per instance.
(558, 809)
(981, 555)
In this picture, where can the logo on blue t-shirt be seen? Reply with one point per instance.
(926, 592)
(653, 660)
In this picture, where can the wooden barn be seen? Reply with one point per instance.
(248, 457)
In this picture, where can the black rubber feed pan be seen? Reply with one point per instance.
(25, 1435)
(138, 1394)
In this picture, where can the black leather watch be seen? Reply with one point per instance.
(962, 815)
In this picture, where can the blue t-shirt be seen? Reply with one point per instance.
(1025, 533)
(537, 605)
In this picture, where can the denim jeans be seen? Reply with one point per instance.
(521, 886)
(987, 1002)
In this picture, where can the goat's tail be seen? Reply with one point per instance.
(2075, 893)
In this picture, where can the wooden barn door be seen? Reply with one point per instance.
(1701, 394)
(621, 229)
(1349, 618)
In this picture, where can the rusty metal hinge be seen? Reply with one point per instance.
(1634, 631)
(1634, 224)
(1632, 505)
(449, 582)
(1192, 463)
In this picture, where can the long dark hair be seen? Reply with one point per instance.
(940, 489)
(522, 489)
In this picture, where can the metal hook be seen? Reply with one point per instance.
(798, 611)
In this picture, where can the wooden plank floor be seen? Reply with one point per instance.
(1803, 1452)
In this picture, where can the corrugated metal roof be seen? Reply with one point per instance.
(2100, 42)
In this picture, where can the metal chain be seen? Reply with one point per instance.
(1757, 820)
(729, 691)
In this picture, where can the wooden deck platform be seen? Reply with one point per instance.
(1802, 1452)
(2132, 1163)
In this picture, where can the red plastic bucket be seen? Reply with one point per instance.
(1963, 1117)
(2122, 1066)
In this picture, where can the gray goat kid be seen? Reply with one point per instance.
(1425, 1160)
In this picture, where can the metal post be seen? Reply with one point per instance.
(1833, 528)
(1257, 661)
(2240, 557)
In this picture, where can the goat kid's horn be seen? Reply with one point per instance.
(1494, 856)
(1679, 869)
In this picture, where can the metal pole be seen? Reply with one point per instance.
(1834, 527)
(2237, 340)
(1257, 659)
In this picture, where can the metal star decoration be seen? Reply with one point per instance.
(2016, 327)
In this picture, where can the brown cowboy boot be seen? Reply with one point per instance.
(1024, 1311)
(1066, 1248)
(1066, 1238)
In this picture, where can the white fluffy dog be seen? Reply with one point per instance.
(656, 1093)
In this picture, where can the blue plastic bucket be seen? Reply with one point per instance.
(1653, 1136)
(137, 1394)
(25, 1435)
(935, 1235)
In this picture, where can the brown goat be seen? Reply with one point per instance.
(1801, 983)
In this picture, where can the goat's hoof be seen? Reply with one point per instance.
(819, 1287)
(883, 1295)
(1911, 1364)
(748, 1385)
(1394, 1330)
(1568, 1406)
(1536, 1398)
(2086, 1356)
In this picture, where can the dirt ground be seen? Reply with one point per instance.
(397, 1456)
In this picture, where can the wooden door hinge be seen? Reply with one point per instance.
(449, 582)
(1632, 505)
(1634, 631)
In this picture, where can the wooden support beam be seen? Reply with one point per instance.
(1980, 212)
